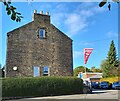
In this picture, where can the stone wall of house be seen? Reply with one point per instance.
(26, 50)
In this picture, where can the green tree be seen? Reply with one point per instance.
(94, 69)
(110, 65)
(16, 16)
(11, 10)
(104, 67)
(80, 69)
(111, 58)
(103, 2)
(98, 70)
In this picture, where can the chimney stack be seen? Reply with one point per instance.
(41, 17)
(35, 11)
(47, 13)
(41, 12)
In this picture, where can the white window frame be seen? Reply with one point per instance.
(34, 71)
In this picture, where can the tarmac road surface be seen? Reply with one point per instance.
(97, 94)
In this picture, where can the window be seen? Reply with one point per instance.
(36, 71)
(46, 71)
(42, 33)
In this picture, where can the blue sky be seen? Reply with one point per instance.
(84, 22)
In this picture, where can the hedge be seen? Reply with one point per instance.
(41, 86)
(110, 79)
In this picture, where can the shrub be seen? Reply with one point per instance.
(110, 79)
(41, 86)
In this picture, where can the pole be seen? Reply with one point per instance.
(85, 71)
(85, 68)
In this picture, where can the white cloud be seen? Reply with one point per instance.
(85, 5)
(85, 43)
(75, 23)
(76, 20)
(98, 10)
(58, 18)
(86, 13)
(61, 7)
(111, 34)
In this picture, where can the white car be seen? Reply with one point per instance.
(116, 85)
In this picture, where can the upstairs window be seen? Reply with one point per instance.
(42, 33)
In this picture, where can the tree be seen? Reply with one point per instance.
(11, 10)
(110, 65)
(102, 3)
(80, 69)
(98, 70)
(105, 68)
(93, 69)
(16, 16)
(111, 58)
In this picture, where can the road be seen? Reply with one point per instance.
(97, 94)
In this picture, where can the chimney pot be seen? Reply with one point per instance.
(41, 12)
(35, 11)
(47, 13)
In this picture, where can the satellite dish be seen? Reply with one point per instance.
(15, 68)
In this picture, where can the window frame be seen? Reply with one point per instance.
(42, 33)
(36, 71)
(44, 71)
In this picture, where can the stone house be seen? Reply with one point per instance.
(38, 49)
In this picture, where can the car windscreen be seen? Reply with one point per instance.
(117, 83)
(104, 82)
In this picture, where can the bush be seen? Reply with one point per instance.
(110, 79)
(41, 86)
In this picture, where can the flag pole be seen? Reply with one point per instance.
(87, 52)
(85, 68)
(84, 64)
(85, 71)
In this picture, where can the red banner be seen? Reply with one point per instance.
(87, 52)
